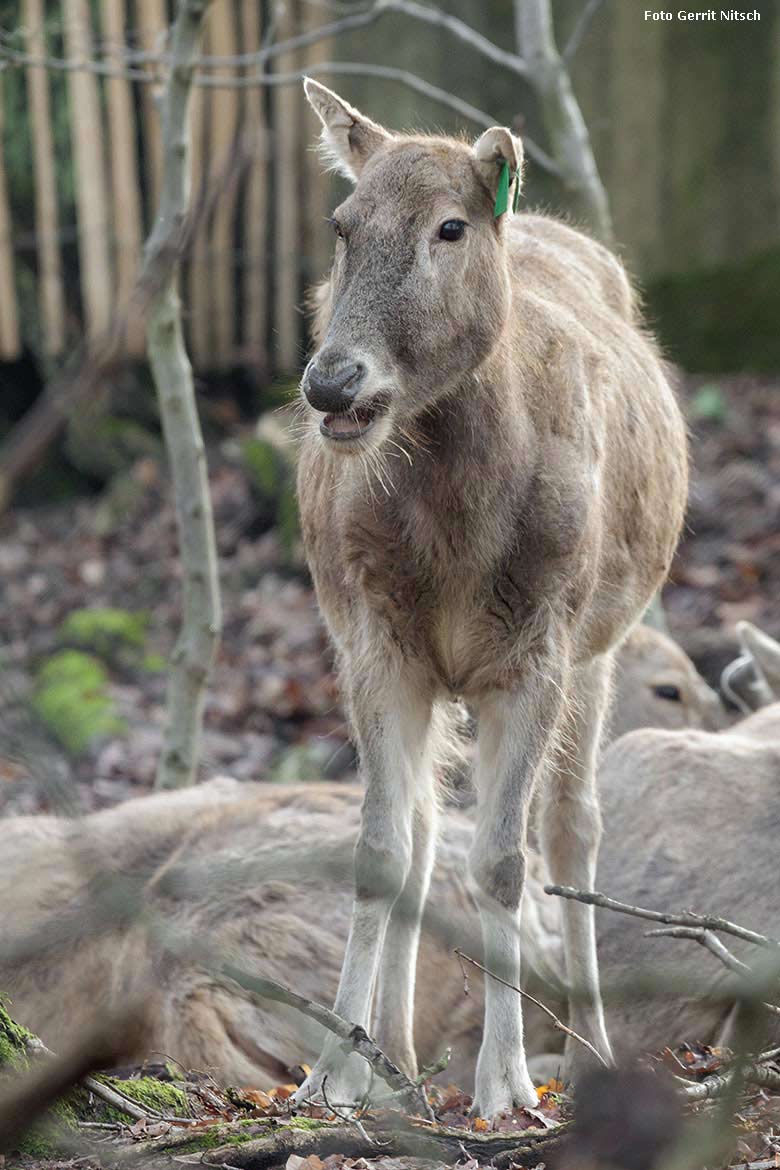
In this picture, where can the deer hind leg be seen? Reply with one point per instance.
(514, 739)
(570, 835)
(391, 722)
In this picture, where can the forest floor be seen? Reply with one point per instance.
(273, 708)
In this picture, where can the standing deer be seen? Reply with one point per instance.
(491, 487)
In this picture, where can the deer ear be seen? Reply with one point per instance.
(765, 653)
(348, 138)
(491, 150)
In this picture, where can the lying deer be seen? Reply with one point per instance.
(710, 812)
(284, 912)
(491, 488)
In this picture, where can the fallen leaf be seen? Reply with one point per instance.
(283, 1092)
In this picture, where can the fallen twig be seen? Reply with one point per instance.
(351, 1119)
(354, 1037)
(686, 918)
(556, 1022)
(719, 1083)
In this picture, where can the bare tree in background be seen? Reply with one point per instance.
(201, 624)
(563, 121)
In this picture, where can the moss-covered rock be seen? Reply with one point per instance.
(71, 699)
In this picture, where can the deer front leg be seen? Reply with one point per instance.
(394, 1008)
(391, 723)
(570, 835)
(514, 738)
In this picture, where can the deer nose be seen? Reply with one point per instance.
(333, 392)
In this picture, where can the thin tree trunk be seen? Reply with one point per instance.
(91, 199)
(254, 273)
(199, 636)
(10, 340)
(152, 26)
(51, 296)
(563, 120)
(125, 189)
(225, 171)
(287, 141)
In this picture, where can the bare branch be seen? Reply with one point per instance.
(711, 943)
(721, 1083)
(559, 1024)
(464, 32)
(708, 940)
(225, 81)
(686, 918)
(581, 27)
(561, 113)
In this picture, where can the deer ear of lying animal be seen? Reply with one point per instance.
(348, 138)
(494, 148)
(765, 653)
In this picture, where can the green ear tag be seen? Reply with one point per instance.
(502, 194)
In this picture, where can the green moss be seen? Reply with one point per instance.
(102, 630)
(149, 1092)
(264, 464)
(13, 1041)
(272, 477)
(41, 1141)
(96, 627)
(722, 319)
(70, 698)
(308, 1123)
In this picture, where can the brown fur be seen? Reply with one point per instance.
(503, 522)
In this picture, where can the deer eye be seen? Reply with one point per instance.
(453, 229)
(666, 691)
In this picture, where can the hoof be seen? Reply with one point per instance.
(339, 1083)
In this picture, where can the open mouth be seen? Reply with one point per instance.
(354, 423)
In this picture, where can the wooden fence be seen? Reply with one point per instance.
(259, 195)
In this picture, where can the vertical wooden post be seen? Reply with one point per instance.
(317, 237)
(152, 27)
(254, 273)
(224, 108)
(10, 340)
(51, 296)
(128, 235)
(198, 284)
(286, 143)
(91, 201)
